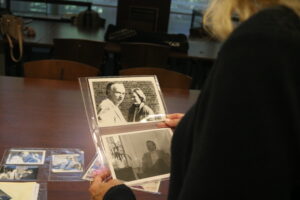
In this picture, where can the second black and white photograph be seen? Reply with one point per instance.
(140, 156)
(126, 100)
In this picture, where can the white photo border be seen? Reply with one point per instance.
(13, 151)
(63, 156)
(152, 187)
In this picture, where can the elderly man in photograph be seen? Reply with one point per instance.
(108, 109)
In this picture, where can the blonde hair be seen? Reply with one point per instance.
(218, 17)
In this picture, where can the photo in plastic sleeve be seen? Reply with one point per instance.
(126, 100)
(18, 172)
(93, 169)
(64, 163)
(25, 156)
(140, 156)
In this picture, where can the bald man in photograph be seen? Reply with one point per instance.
(108, 109)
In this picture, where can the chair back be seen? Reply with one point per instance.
(142, 18)
(80, 50)
(58, 69)
(144, 15)
(143, 54)
(166, 78)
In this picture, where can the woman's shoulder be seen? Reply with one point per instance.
(273, 29)
(277, 20)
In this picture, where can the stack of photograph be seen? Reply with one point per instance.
(122, 114)
(20, 174)
(29, 170)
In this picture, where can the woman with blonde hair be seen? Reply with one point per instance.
(139, 111)
(241, 138)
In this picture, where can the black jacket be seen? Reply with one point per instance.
(241, 138)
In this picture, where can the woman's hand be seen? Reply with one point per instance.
(171, 121)
(101, 184)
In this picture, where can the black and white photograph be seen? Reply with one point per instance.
(25, 156)
(17, 172)
(67, 163)
(140, 156)
(126, 100)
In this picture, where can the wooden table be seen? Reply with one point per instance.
(50, 114)
(46, 31)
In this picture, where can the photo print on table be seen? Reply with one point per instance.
(140, 156)
(126, 100)
(64, 163)
(18, 172)
(25, 156)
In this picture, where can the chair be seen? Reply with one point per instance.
(166, 78)
(80, 50)
(143, 54)
(58, 69)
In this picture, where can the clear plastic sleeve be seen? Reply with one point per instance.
(66, 164)
(122, 113)
(95, 167)
(43, 192)
(115, 101)
(42, 164)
